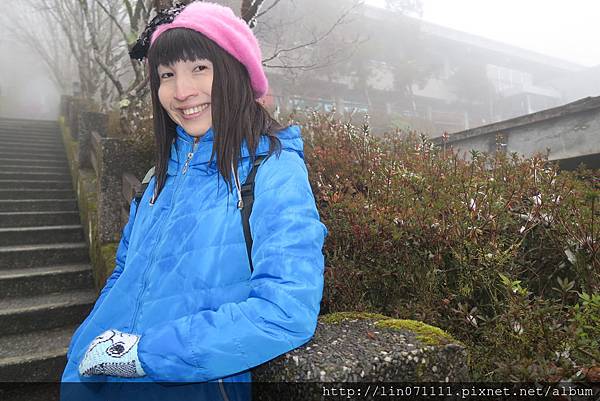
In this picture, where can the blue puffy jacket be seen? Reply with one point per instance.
(182, 279)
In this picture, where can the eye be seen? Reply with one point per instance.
(165, 75)
(200, 68)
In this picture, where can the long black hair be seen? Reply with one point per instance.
(236, 115)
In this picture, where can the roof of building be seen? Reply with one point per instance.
(581, 105)
(474, 40)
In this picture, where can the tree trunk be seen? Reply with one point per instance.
(160, 5)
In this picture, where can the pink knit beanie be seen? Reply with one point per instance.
(231, 33)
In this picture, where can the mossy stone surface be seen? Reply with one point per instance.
(338, 317)
(425, 333)
(369, 347)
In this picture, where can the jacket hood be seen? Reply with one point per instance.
(289, 137)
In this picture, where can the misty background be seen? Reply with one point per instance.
(432, 65)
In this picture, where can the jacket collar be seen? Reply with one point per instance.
(184, 144)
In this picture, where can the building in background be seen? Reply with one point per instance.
(418, 75)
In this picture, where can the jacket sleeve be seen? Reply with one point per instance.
(120, 263)
(281, 311)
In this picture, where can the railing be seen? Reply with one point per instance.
(131, 185)
(96, 139)
(112, 161)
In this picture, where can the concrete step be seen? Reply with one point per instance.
(21, 134)
(8, 147)
(36, 184)
(7, 129)
(10, 159)
(39, 255)
(34, 145)
(38, 356)
(37, 194)
(27, 314)
(41, 235)
(35, 154)
(31, 391)
(31, 140)
(38, 205)
(35, 175)
(28, 122)
(31, 168)
(45, 280)
(31, 143)
(31, 219)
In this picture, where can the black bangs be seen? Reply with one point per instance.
(180, 44)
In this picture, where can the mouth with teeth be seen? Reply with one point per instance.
(194, 112)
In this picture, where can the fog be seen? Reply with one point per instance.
(466, 69)
(26, 89)
(559, 28)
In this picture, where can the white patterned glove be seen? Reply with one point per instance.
(112, 353)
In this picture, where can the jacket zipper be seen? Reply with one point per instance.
(184, 170)
(189, 157)
(222, 388)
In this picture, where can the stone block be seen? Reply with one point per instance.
(363, 347)
(90, 122)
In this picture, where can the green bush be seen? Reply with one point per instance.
(501, 251)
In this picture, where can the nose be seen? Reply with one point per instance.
(184, 89)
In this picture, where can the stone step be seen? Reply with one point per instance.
(37, 194)
(31, 168)
(41, 235)
(9, 159)
(39, 255)
(38, 356)
(38, 205)
(40, 149)
(27, 314)
(16, 125)
(29, 122)
(31, 140)
(34, 175)
(32, 219)
(36, 184)
(23, 133)
(16, 146)
(34, 154)
(45, 280)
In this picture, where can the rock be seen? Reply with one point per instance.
(391, 356)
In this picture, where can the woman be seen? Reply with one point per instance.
(185, 303)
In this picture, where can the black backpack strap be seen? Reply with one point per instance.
(248, 200)
(137, 198)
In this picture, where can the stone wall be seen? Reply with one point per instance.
(566, 133)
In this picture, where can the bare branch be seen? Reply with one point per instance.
(315, 40)
(249, 9)
(96, 49)
(113, 18)
(267, 10)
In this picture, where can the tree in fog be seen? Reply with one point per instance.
(98, 34)
(32, 28)
(392, 42)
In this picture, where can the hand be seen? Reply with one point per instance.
(112, 353)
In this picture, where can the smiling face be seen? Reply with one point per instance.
(185, 94)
